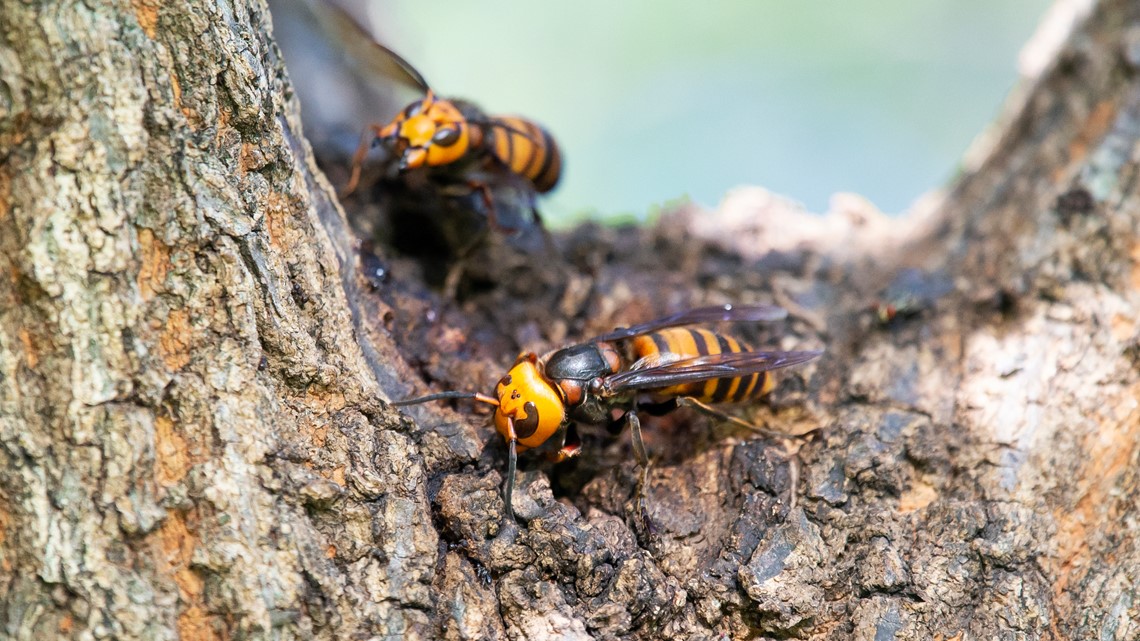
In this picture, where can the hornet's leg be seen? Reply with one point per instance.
(708, 410)
(371, 135)
(571, 446)
(512, 462)
(565, 275)
(547, 239)
(618, 424)
(793, 476)
(455, 272)
(791, 455)
(643, 461)
(489, 203)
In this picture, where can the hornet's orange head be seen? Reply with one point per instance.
(427, 133)
(531, 402)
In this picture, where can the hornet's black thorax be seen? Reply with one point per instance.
(575, 369)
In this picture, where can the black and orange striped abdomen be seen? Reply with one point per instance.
(682, 343)
(527, 149)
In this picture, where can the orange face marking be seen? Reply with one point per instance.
(428, 133)
(528, 399)
(418, 130)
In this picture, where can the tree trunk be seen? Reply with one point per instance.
(194, 366)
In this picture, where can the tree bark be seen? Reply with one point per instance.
(195, 363)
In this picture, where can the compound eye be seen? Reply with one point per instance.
(446, 136)
(413, 109)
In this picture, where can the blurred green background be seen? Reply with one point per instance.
(654, 101)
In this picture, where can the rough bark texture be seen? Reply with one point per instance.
(195, 443)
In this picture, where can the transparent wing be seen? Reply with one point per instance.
(703, 368)
(716, 313)
(370, 56)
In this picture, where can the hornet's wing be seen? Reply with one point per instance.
(702, 368)
(716, 313)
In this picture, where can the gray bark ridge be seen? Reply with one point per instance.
(180, 377)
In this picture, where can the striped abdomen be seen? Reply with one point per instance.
(527, 149)
(690, 343)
